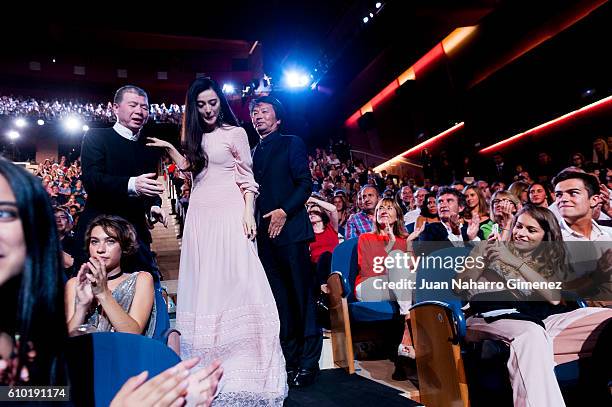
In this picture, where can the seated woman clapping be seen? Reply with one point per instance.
(104, 296)
(528, 314)
(388, 240)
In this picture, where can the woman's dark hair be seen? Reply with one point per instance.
(551, 255)
(547, 191)
(115, 227)
(193, 124)
(322, 213)
(424, 209)
(36, 293)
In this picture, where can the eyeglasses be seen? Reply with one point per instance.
(498, 201)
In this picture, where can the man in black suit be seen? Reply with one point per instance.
(450, 204)
(119, 173)
(500, 170)
(281, 169)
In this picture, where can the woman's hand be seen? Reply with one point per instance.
(203, 385)
(97, 277)
(507, 208)
(499, 252)
(155, 142)
(84, 295)
(168, 388)
(248, 225)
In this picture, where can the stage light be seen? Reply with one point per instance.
(72, 123)
(378, 4)
(296, 79)
(20, 122)
(371, 15)
(228, 88)
(13, 134)
(366, 19)
(85, 127)
(40, 122)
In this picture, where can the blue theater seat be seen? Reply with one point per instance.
(451, 370)
(352, 320)
(100, 363)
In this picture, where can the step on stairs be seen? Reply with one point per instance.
(167, 246)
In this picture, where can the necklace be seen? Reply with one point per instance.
(119, 274)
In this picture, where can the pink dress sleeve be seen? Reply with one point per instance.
(243, 168)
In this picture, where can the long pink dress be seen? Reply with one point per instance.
(225, 307)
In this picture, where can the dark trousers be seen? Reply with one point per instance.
(291, 279)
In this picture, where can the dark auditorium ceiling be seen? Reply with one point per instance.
(362, 58)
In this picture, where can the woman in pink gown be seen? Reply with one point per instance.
(225, 307)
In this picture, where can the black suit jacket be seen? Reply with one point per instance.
(108, 161)
(436, 232)
(280, 166)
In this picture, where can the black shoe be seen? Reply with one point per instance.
(405, 368)
(305, 377)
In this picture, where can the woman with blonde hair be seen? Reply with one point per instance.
(504, 206)
(520, 189)
(600, 151)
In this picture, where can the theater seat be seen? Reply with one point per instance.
(162, 321)
(353, 321)
(453, 371)
(100, 363)
(371, 311)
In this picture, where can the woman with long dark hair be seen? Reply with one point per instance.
(530, 318)
(429, 211)
(32, 325)
(30, 262)
(225, 307)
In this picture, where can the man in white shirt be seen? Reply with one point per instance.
(577, 194)
(119, 174)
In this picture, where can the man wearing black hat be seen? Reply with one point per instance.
(281, 169)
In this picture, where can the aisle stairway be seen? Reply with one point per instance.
(167, 246)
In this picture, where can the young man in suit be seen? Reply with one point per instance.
(119, 173)
(281, 169)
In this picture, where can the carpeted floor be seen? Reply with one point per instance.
(335, 388)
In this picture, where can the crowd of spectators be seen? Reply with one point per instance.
(50, 110)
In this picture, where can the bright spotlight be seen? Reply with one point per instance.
(366, 19)
(40, 122)
(20, 122)
(371, 15)
(13, 134)
(85, 127)
(296, 79)
(72, 123)
(378, 4)
(228, 88)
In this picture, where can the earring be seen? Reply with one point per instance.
(220, 117)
